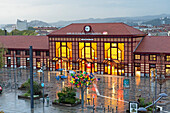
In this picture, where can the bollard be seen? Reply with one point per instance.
(104, 109)
(113, 110)
(116, 109)
(108, 108)
(48, 100)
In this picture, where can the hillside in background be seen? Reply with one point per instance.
(37, 23)
(158, 22)
(132, 21)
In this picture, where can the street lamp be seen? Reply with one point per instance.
(160, 96)
(42, 84)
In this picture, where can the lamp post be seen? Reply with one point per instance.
(42, 84)
(160, 96)
(93, 104)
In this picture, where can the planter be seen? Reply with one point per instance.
(28, 97)
(22, 88)
(68, 105)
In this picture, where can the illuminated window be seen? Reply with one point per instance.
(94, 51)
(168, 58)
(114, 53)
(63, 43)
(121, 47)
(137, 57)
(107, 50)
(87, 44)
(57, 49)
(95, 65)
(114, 44)
(119, 55)
(38, 63)
(167, 66)
(87, 52)
(152, 57)
(167, 70)
(63, 51)
(81, 46)
(69, 50)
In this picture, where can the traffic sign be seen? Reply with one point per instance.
(126, 83)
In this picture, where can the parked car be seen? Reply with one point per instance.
(0, 89)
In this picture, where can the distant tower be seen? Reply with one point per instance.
(163, 21)
(22, 25)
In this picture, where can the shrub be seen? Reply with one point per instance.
(67, 95)
(26, 94)
(36, 87)
(143, 104)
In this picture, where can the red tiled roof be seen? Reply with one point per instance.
(45, 28)
(23, 42)
(99, 29)
(154, 44)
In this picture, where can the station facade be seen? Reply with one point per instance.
(103, 48)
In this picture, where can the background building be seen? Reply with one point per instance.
(17, 54)
(22, 25)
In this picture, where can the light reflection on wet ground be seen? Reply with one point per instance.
(109, 86)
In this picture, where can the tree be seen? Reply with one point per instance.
(82, 81)
(2, 32)
(24, 32)
(2, 52)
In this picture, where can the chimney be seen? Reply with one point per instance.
(5, 32)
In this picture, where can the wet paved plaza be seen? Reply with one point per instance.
(107, 91)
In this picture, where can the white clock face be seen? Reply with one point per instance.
(87, 28)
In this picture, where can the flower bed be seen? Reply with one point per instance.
(28, 96)
(56, 102)
(67, 97)
(36, 89)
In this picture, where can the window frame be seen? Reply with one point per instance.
(153, 57)
(18, 51)
(167, 58)
(137, 57)
(27, 51)
(8, 52)
(36, 53)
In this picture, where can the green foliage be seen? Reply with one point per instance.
(67, 95)
(24, 32)
(1, 112)
(2, 52)
(27, 94)
(2, 32)
(143, 104)
(36, 87)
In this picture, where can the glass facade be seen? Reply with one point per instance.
(63, 55)
(114, 56)
(88, 57)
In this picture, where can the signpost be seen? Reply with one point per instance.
(133, 107)
(126, 83)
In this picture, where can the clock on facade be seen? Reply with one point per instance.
(87, 28)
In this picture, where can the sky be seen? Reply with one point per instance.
(57, 10)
